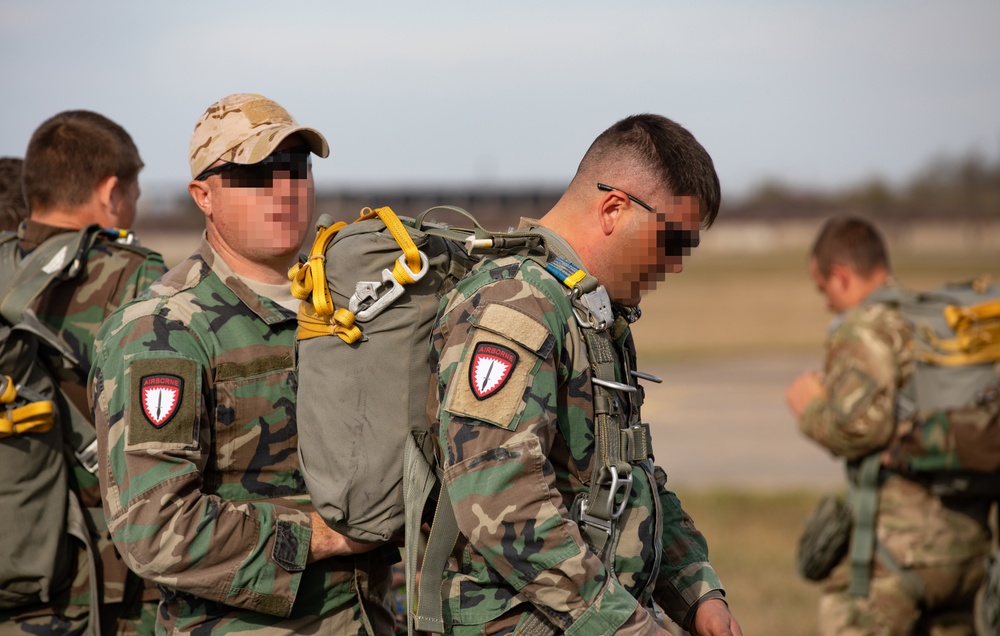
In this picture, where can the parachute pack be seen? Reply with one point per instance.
(39, 430)
(370, 292)
(951, 404)
(953, 399)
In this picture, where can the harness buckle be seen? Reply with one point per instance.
(591, 520)
(369, 300)
(593, 309)
(88, 457)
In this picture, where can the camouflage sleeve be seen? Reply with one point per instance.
(686, 578)
(150, 390)
(143, 276)
(503, 387)
(866, 361)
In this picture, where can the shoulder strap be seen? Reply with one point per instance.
(25, 279)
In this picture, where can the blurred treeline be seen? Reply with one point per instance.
(962, 187)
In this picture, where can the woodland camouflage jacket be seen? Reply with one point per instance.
(515, 426)
(194, 392)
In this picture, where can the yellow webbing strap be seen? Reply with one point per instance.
(34, 418)
(398, 231)
(304, 276)
(9, 390)
(977, 336)
(312, 325)
(320, 317)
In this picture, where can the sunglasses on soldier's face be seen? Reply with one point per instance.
(294, 161)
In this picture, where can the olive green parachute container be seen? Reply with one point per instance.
(362, 359)
(39, 430)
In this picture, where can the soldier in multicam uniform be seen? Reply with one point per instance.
(194, 393)
(518, 409)
(80, 169)
(851, 410)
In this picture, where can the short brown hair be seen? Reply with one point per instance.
(70, 154)
(13, 209)
(852, 242)
(667, 149)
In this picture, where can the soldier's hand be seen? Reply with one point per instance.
(712, 618)
(803, 390)
(327, 542)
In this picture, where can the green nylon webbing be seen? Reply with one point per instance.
(864, 500)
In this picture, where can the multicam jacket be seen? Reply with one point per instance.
(515, 428)
(112, 275)
(194, 394)
(868, 359)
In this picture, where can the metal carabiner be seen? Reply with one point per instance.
(617, 484)
(367, 302)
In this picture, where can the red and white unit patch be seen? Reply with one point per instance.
(161, 395)
(491, 367)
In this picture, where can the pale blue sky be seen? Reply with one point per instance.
(810, 92)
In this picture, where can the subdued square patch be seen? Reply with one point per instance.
(157, 386)
(516, 339)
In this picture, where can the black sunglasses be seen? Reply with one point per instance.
(607, 188)
(295, 161)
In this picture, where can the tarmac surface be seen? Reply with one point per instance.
(725, 423)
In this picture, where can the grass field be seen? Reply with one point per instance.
(752, 538)
(724, 305)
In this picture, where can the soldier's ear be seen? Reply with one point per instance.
(610, 209)
(105, 191)
(202, 195)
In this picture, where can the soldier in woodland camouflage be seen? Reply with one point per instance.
(513, 406)
(194, 394)
(851, 410)
(80, 169)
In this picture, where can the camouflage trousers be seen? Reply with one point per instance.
(890, 609)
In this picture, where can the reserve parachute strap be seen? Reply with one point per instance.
(318, 316)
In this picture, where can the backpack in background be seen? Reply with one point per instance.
(954, 396)
(39, 513)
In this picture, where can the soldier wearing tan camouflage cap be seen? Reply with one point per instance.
(194, 395)
(929, 549)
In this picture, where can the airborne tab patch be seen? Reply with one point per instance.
(161, 395)
(491, 367)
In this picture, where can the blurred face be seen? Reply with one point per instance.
(264, 211)
(651, 245)
(834, 288)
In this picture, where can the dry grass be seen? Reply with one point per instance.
(765, 303)
(752, 538)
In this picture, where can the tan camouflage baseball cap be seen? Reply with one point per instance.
(245, 128)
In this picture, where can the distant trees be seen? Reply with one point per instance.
(948, 187)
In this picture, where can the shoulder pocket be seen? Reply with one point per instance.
(504, 352)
